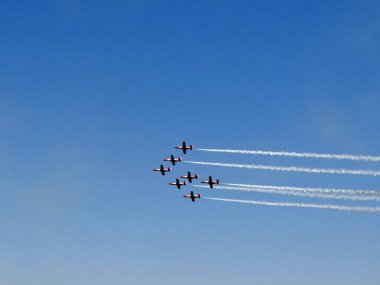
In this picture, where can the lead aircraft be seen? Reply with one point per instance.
(210, 182)
(162, 169)
(184, 147)
(192, 196)
(178, 184)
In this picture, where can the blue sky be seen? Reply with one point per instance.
(93, 95)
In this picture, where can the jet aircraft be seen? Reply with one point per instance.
(192, 196)
(173, 160)
(178, 184)
(162, 169)
(190, 177)
(210, 182)
(184, 147)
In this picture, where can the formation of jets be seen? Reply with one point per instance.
(188, 176)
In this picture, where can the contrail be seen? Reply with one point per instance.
(292, 169)
(308, 189)
(298, 154)
(298, 194)
(301, 205)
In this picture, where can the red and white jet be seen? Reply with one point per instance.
(178, 184)
(162, 169)
(173, 160)
(190, 177)
(184, 147)
(192, 196)
(211, 182)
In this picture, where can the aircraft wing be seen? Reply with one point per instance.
(192, 196)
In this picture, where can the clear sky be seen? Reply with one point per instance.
(94, 94)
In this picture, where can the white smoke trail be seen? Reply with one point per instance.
(301, 205)
(297, 193)
(298, 154)
(307, 189)
(292, 169)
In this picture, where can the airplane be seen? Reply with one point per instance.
(178, 184)
(190, 177)
(173, 160)
(162, 169)
(192, 196)
(184, 147)
(210, 182)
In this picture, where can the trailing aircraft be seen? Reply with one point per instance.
(190, 177)
(173, 160)
(192, 196)
(184, 147)
(178, 184)
(210, 182)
